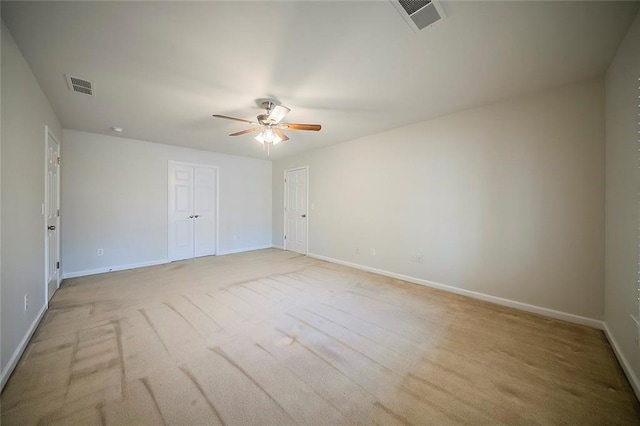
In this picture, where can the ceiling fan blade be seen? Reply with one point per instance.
(281, 134)
(244, 132)
(299, 126)
(277, 113)
(226, 117)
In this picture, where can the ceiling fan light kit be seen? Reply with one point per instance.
(270, 125)
(268, 136)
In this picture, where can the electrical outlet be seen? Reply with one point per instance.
(100, 252)
(419, 258)
(26, 302)
(373, 252)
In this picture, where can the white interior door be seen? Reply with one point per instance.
(180, 212)
(204, 211)
(295, 210)
(192, 211)
(52, 215)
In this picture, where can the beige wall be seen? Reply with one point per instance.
(115, 198)
(623, 187)
(505, 200)
(25, 112)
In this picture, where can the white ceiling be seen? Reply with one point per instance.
(161, 69)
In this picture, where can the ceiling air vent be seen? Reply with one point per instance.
(80, 85)
(419, 14)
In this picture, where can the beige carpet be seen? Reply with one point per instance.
(273, 338)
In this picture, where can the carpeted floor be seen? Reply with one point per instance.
(273, 338)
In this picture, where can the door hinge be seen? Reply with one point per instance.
(58, 212)
(59, 161)
(285, 237)
(285, 180)
(57, 265)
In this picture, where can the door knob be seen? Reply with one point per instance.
(304, 215)
(51, 227)
(191, 217)
(197, 216)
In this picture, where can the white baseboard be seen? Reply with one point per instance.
(278, 247)
(576, 319)
(13, 361)
(113, 268)
(243, 249)
(151, 263)
(631, 375)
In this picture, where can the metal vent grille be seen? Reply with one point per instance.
(82, 90)
(80, 85)
(419, 14)
(412, 6)
(425, 17)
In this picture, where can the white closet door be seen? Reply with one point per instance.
(205, 211)
(181, 217)
(192, 211)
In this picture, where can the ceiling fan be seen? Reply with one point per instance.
(270, 125)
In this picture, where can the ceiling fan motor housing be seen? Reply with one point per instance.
(264, 119)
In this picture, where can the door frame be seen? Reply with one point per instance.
(217, 224)
(284, 208)
(48, 133)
